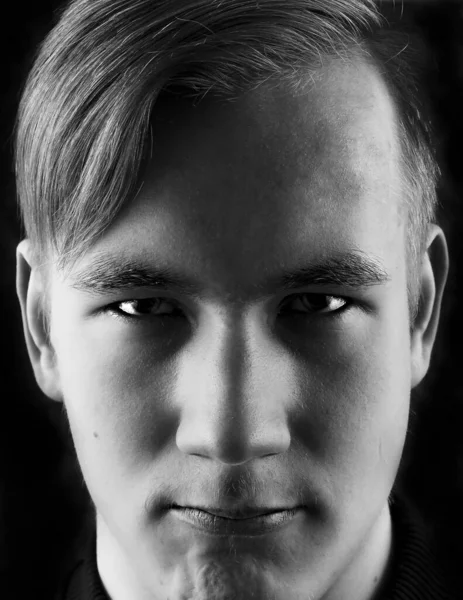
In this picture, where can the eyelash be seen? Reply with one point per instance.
(329, 314)
(116, 311)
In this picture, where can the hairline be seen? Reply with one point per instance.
(360, 41)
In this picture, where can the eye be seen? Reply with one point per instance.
(315, 303)
(145, 307)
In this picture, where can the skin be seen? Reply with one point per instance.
(232, 400)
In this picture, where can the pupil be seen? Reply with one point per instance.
(145, 305)
(316, 301)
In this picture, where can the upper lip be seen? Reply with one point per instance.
(246, 512)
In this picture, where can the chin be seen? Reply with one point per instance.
(226, 579)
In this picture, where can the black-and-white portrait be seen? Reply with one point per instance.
(232, 266)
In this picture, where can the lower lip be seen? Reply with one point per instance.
(212, 524)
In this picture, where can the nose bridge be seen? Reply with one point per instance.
(233, 412)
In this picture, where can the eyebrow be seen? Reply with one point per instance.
(351, 270)
(110, 273)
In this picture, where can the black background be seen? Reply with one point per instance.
(42, 498)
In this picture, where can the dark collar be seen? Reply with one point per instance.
(415, 573)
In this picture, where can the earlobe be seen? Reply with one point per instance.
(31, 293)
(432, 280)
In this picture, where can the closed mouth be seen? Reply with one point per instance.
(243, 522)
(237, 514)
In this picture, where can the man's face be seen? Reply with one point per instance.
(247, 386)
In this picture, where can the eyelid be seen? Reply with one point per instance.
(114, 308)
(348, 303)
(156, 301)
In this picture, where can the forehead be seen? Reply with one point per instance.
(274, 178)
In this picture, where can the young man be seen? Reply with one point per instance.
(232, 278)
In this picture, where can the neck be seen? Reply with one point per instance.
(368, 573)
(114, 567)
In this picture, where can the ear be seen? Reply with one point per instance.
(32, 293)
(432, 279)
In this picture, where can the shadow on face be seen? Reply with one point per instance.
(240, 338)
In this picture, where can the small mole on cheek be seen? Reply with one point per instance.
(95, 434)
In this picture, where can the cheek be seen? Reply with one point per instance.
(117, 400)
(354, 407)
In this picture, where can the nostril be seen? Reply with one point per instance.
(227, 442)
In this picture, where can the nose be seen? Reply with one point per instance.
(233, 389)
